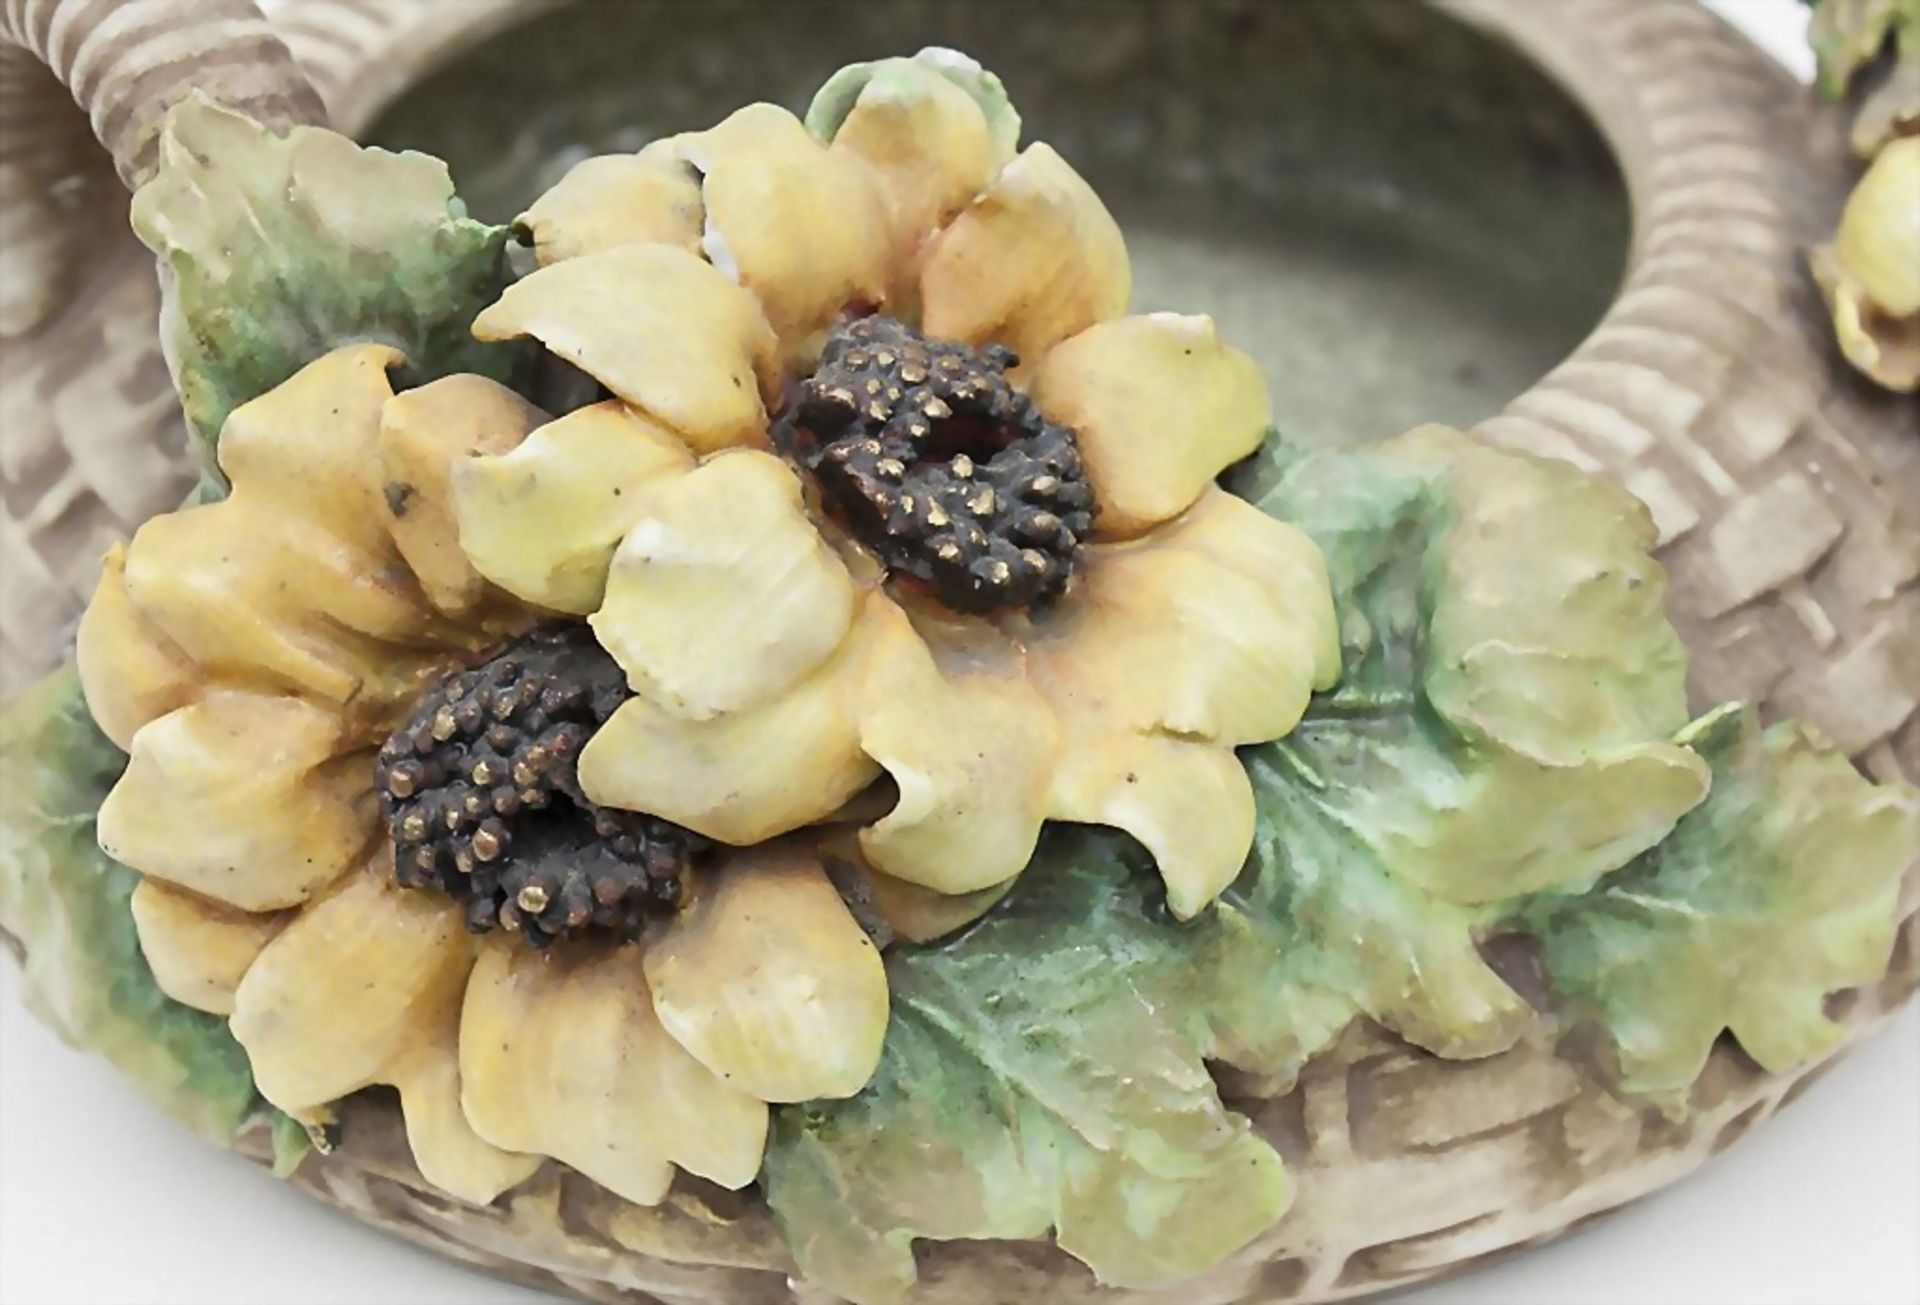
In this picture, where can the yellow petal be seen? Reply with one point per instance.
(251, 800)
(365, 986)
(770, 983)
(1887, 349)
(1167, 640)
(1870, 274)
(340, 995)
(612, 200)
(1278, 556)
(658, 327)
(724, 593)
(449, 1153)
(1188, 803)
(1879, 237)
(273, 603)
(542, 521)
(425, 434)
(802, 227)
(292, 582)
(311, 444)
(928, 142)
(561, 1054)
(1210, 632)
(921, 915)
(746, 776)
(131, 671)
(1159, 406)
(198, 950)
(1036, 259)
(970, 746)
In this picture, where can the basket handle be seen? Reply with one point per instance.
(123, 63)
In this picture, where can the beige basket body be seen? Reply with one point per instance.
(1785, 490)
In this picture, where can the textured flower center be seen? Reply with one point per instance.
(932, 458)
(481, 794)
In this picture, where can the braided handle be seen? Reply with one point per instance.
(125, 63)
(85, 84)
(89, 428)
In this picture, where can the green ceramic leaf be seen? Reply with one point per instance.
(291, 1141)
(1847, 35)
(1778, 890)
(1504, 726)
(1513, 686)
(1850, 37)
(67, 903)
(275, 249)
(1044, 1072)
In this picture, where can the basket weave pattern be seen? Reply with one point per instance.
(1785, 492)
(93, 441)
(1785, 489)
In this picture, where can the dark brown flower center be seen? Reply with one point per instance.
(933, 459)
(481, 794)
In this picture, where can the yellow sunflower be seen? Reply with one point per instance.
(502, 757)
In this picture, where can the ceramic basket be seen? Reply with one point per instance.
(1785, 492)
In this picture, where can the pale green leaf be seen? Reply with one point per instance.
(276, 249)
(67, 904)
(1493, 736)
(1045, 1072)
(1779, 890)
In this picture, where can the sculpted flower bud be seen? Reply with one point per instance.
(1870, 274)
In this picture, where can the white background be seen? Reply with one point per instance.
(104, 1201)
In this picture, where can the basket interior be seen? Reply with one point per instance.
(1402, 218)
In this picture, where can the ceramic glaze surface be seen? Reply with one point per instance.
(1407, 220)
